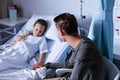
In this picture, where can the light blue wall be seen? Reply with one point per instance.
(51, 7)
(47, 7)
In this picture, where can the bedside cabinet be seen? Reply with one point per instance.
(8, 29)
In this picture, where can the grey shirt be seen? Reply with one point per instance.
(85, 61)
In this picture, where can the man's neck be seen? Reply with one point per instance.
(73, 40)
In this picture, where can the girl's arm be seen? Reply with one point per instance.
(18, 38)
(40, 61)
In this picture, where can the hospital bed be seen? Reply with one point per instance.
(57, 52)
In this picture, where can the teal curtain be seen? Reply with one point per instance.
(101, 29)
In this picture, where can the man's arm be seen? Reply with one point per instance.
(55, 65)
(65, 64)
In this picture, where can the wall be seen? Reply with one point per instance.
(117, 19)
(87, 11)
(48, 7)
(4, 8)
(117, 27)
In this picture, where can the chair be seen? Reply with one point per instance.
(112, 71)
(61, 71)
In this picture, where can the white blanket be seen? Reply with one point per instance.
(15, 64)
(23, 74)
(16, 69)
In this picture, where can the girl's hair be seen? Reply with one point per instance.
(42, 22)
(67, 22)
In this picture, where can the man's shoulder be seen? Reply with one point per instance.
(87, 41)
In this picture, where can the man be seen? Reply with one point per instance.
(85, 60)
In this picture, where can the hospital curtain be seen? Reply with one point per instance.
(101, 29)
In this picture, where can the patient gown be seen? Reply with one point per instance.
(19, 55)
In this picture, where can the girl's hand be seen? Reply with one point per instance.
(19, 38)
(37, 66)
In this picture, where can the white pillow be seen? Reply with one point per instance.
(51, 32)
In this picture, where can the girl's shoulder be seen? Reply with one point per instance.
(41, 38)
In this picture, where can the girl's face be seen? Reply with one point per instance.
(38, 30)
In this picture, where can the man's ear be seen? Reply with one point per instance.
(62, 32)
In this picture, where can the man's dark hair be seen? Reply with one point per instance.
(67, 22)
(42, 22)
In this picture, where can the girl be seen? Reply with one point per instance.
(25, 48)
